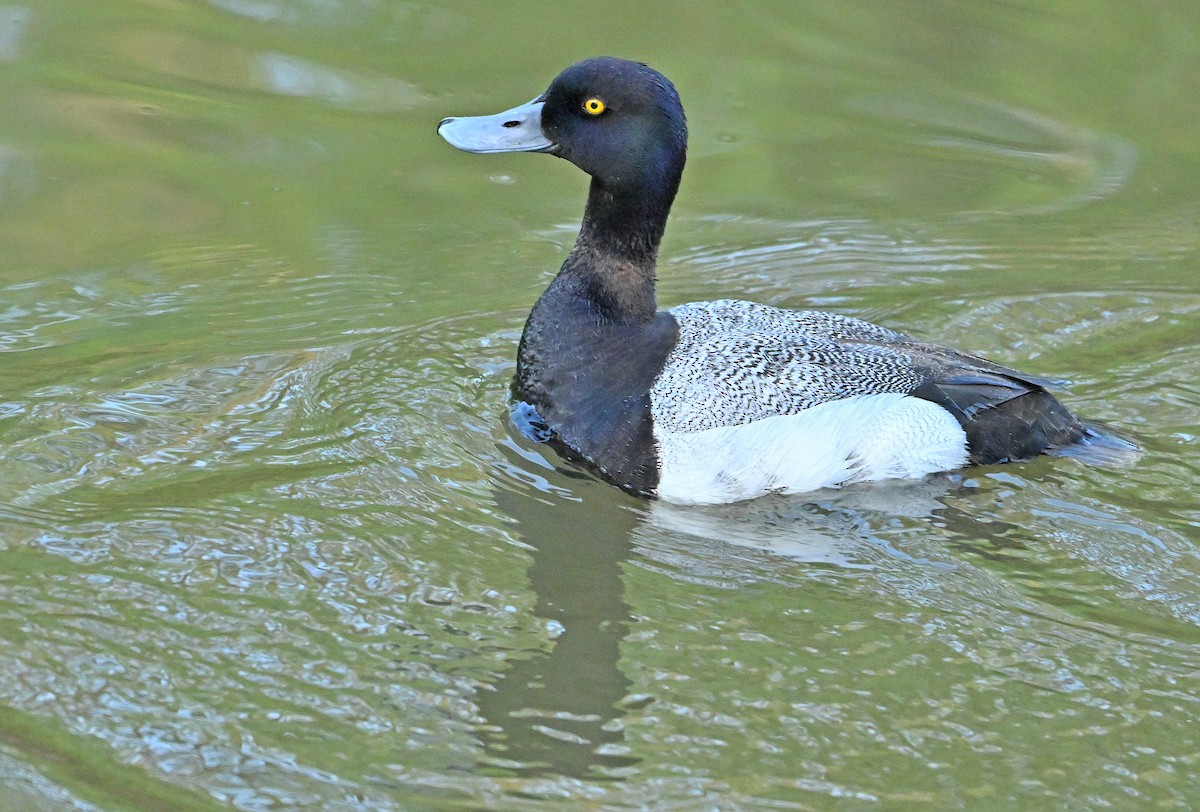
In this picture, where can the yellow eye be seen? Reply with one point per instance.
(594, 106)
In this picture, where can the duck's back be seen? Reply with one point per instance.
(736, 362)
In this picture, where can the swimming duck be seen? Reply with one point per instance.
(720, 401)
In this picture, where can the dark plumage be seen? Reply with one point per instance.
(659, 401)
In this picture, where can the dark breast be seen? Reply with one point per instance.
(589, 379)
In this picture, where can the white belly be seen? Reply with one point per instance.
(862, 438)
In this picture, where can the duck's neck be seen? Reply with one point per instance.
(613, 262)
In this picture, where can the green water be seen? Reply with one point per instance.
(267, 540)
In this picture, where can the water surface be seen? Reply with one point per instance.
(267, 539)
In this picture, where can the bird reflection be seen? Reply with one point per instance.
(558, 712)
(838, 527)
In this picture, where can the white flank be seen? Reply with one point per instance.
(857, 439)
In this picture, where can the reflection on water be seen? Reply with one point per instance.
(237, 68)
(558, 712)
(14, 20)
(293, 76)
(828, 527)
(272, 11)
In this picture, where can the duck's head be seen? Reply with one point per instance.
(619, 121)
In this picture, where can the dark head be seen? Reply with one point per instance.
(619, 121)
(622, 123)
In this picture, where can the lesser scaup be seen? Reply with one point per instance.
(720, 401)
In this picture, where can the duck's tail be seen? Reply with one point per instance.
(1099, 445)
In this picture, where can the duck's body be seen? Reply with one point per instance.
(720, 401)
(728, 400)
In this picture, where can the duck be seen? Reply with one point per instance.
(721, 401)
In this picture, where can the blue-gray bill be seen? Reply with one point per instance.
(515, 130)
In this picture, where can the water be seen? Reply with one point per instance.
(267, 539)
